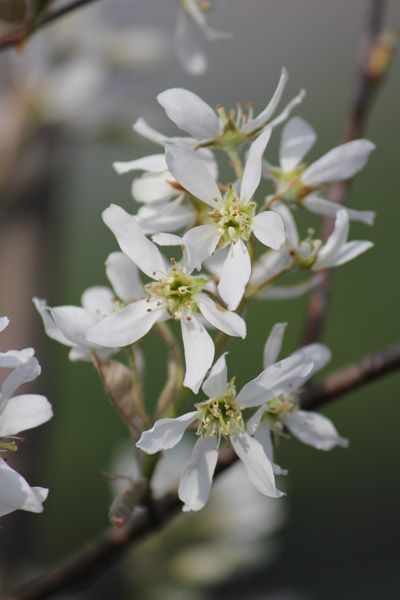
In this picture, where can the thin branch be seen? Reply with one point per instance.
(92, 561)
(18, 36)
(373, 68)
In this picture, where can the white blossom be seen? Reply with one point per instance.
(17, 414)
(173, 293)
(298, 183)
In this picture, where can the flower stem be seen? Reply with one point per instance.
(236, 163)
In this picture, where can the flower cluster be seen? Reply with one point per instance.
(232, 247)
(19, 413)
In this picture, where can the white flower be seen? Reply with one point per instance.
(17, 414)
(233, 218)
(308, 254)
(68, 324)
(189, 50)
(298, 183)
(173, 293)
(219, 418)
(282, 411)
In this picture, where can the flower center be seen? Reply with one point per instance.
(277, 408)
(307, 251)
(234, 219)
(177, 291)
(220, 416)
(289, 186)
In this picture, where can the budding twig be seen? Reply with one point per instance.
(372, 71)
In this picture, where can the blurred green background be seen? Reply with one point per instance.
(341, 535)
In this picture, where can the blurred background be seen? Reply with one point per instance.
(67, 103)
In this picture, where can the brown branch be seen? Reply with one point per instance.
(378, 52)
(100, 555)
(16, 37)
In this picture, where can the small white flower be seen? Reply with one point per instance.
(298, 183)
(220, 418)
(283, 411)
(308, 254)
(190, 20)
(17, 414)
(68, 324)
(232, 217)
(173, 293)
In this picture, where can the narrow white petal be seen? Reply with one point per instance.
(195, 484)
(133, 242)
(273, 344)
(191, 172)
(199, 17)
(269, 229)
(200, 244)
(190, 113)
(263, 436)
(144, 129)
(284, 114)
(340, 163)
(73, 321)
(154, 163)
(49, 323)
(98, 300)
(170, 216)
(16, 493)
(338, 238)
(26, 372)
(215, 263)
(24, 412)
(283, 377)
(298, 137)
(292, 234)
(318, 353)
(288, 292)
(268, 111)
(152, 188)
(217, 380)
(258, 467)
(199, 351)
(167, 239)
(253, 167)
(187, 47)
(320, 206)
(123, 275)
(351, 250)
(125, 326)
(223, 319)
(314, 429)
(166, 433)
(15, 358)
(4, 322)
(234, 275)
(269, 265)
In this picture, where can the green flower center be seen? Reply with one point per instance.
(277, 408)
(307, 251)
(234, 219)
(289, 186)
(220, 416)
(177, 291)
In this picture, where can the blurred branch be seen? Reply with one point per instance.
(375, 63)
(91, 562)
(16, 37)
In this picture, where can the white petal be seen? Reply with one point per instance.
(4, 322)
(269, 229)
(215, 263)
(314, 429)
(49, 323)
(123, 275)
(167, 239)
(292, 234)
(187, 47)
(273, 344)
(143, 128)
(263, 436)
(265, 115)
(73, 321)
(199, 351)
(318, 353)
(253, 167)
(15, 358)
(154, 163)
(190, 113)
(352, 250)
(223, 319)
(217, 380)
(200, 243)
(152, 188)
(288, 292)
(283, 377)
(133, 242)
(16, 493)
(269, 265)
(125, 326)
(284, 114)
(258, 467)
(166, 433)
(167, 217)
(191, 172)
(320, 206)
(195, 484)
(98, 300)
(340, 163)
(298, 137)
(338, 238)
(235, 275)
(26, 372)
(198, 16)
(24, 412)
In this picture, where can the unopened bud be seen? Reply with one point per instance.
(380, 56)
